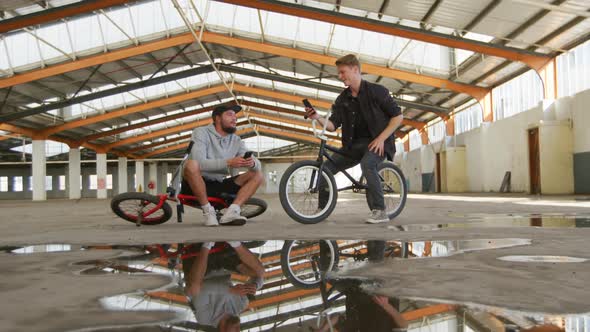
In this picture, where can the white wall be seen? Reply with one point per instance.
(557, 158)
(501, 146)
(580, 113)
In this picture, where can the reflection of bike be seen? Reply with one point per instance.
(305, 263)
(300, 186)
(145, 209)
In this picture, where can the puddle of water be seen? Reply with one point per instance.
(557, 220)
(542, 259)
(289, 294)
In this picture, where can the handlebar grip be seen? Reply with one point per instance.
(190, 146)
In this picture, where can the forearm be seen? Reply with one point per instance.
(396, 317)
(393, 124)
(329, 127)
(250, 260)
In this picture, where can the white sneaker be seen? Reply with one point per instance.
(232, 216)
(377, 217)
(210, 217)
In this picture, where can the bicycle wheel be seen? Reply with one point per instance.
(131, 206)
(395, 190)
(300, 197)
(305, 263)
(253, 207)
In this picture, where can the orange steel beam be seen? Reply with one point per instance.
(288, 136)
(57, 13)
(134, 109)
(533, 61)
(185, 145)
(153, 145)
(158, 133)
(474, 91)
(146, 123)
(428, 311)
(297, 99)
(95, 60)
(289, 296)
(209, 37)
(291, 129)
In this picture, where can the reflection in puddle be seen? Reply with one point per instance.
(285, 285)
(543, 259)
(522, 220)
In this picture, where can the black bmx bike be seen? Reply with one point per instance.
(299, 189)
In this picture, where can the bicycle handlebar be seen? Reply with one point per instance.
(190, 146)
(321, 135)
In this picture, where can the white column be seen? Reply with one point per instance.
(122, 175)
(39, 170)
(153, 168)
(74, 174)
(139, 183)
(101, 175)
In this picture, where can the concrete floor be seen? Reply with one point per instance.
(57, 299)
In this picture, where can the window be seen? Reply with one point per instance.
(48, 182)
(81, 186)
(415, 140)
(436, 132)
(62, 182)
(517, 95)
(468, 119)
(3, 183)
(572, 70)
(30, 187)
(17, 184)
(168, 178)
(109, 181)
(93, 182)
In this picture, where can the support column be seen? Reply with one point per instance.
(424, 136)
(122, 175)
(407, 143)
(139, 182)
(101, 175)
(450, 126)
(74, 170)
(153, 178)
(548, 75)
(488, 107)
(39, 170)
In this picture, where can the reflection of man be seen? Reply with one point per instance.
(365, 312)
(215, 300)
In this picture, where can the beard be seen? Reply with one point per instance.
(229, 130)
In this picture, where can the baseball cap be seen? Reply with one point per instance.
(220, 109)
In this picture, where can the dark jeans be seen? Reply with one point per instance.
(358, 153)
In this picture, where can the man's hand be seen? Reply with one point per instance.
(382, 301)
(311, 113)
(243, 289)
(377, 146)
(238, 162)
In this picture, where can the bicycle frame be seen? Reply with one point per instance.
(182, 199)
(322, 153)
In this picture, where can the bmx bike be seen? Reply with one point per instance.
(299, 189)
(146, 209)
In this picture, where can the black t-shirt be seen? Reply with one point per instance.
(359, 125)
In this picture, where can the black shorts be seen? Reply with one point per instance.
(214, 188)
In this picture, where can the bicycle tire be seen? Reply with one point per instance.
(396, 204)
(123, 205)
(253, 207)
(292, 265)
(287, 198)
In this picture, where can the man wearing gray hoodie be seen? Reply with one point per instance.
(213, 162)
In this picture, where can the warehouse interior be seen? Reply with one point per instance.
(99, 98)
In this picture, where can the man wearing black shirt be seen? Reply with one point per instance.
(368, 116)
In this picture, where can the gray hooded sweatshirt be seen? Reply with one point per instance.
(212, 151)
